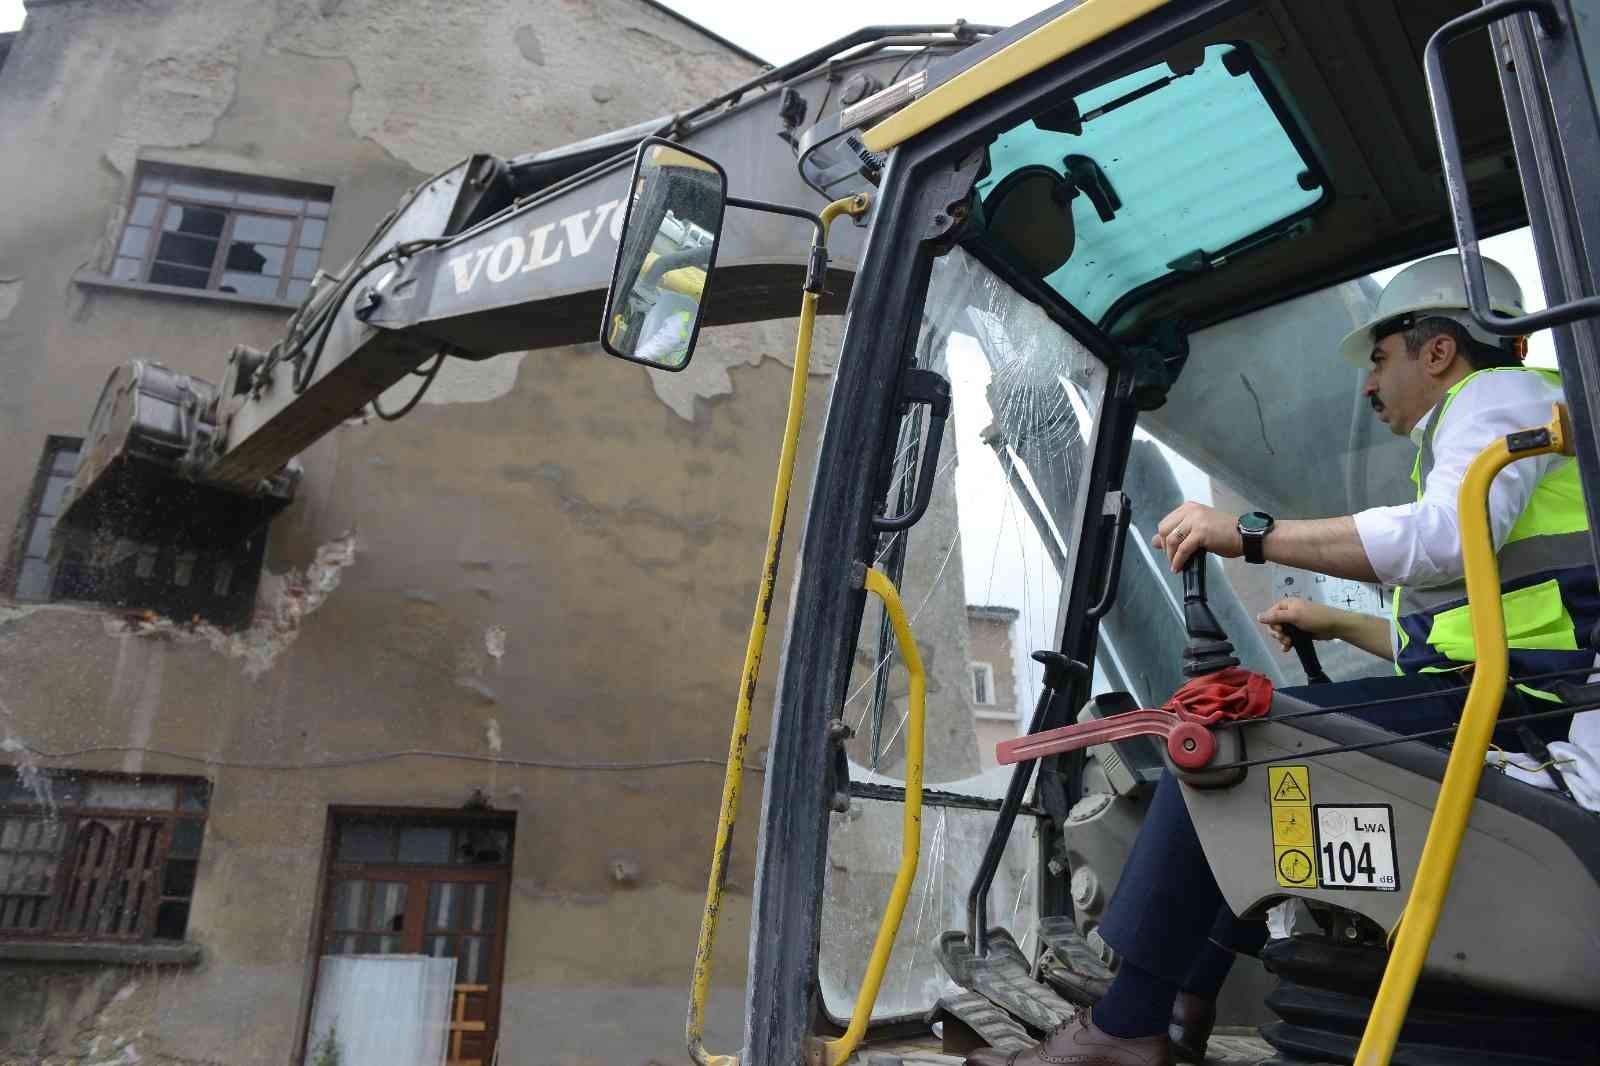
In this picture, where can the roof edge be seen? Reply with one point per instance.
(692, 24)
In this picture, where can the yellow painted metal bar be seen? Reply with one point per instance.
(1061, 36)
(836, 1051)
(1465, 768)
(739, 738)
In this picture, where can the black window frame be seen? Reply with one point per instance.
(150, 847)
(169, 186)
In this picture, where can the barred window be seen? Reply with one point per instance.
(99, 856)
(231, 233)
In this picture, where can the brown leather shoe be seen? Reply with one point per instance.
(1190, 1030)
(1081, 1043)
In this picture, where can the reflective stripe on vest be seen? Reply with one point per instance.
(1547, 578)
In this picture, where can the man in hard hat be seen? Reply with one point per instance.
(1435, 375)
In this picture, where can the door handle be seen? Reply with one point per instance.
(926, 387)
(1455, 177)
(1119, 509)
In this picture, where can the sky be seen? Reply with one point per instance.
(10, 15)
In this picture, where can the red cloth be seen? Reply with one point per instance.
(1227, 695)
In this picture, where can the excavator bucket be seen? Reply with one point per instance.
(137, 527)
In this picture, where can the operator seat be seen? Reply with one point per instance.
(1515, 961)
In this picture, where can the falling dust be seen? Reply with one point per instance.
(282, 604)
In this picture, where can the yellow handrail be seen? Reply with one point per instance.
(1462, 773)
(836, 1051)
(738, 740)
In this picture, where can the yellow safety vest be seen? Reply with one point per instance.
(1547, 577)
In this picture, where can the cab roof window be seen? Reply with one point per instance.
(1165, 173)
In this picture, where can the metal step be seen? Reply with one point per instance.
(1004, 977)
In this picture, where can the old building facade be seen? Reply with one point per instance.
(477, 705)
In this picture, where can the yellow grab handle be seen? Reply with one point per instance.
(738, 740)
(836, 1051)
(1465, 768)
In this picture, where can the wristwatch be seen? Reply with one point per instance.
(1253, 530)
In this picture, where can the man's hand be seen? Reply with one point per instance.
(1316, 620)
(1321, 622)
(1194, 526)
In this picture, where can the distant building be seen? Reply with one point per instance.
(992, 677)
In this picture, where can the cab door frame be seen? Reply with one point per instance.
(783, 1006)
(1555, 129)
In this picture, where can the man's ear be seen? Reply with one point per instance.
(1439, 355)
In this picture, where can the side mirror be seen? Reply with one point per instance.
(669, 243)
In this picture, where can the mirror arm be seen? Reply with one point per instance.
(817, 268)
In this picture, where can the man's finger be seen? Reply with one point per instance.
(1180, 554)
(1174, 518)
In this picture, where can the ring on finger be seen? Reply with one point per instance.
(1179, 533)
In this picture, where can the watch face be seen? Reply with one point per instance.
(1255, 522)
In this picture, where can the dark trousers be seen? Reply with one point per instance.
(1168, 917)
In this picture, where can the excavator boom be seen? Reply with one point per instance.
(490, 256)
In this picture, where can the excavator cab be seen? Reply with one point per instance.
(1126, 238)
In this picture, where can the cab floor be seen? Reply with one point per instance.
(1229, 1046)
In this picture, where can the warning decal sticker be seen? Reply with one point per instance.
(1357, 847)
(1293, 843)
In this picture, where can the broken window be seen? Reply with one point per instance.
(231, 233)
(99, 856)
(32, 572)
(413, 885)
(51, 562)
(1008, 490)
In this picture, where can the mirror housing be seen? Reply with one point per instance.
(669, 244)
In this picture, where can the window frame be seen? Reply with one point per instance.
(11, 576)
(335, 869)
(976, 667)
(234, 184)
(74, 816)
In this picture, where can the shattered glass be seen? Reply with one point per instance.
(980, 576)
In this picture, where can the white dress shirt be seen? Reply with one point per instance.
(1419, 544)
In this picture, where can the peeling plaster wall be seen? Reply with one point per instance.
(553, 559)
(505, 76)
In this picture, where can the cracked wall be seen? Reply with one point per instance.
(557, 552)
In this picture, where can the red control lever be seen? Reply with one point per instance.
(1189, 744)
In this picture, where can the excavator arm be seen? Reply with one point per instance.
(491, 256)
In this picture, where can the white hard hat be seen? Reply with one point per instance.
(1435, 286)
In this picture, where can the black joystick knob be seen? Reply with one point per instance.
(1306, 649)
(1207, 649)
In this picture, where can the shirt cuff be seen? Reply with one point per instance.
(1386, 538)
